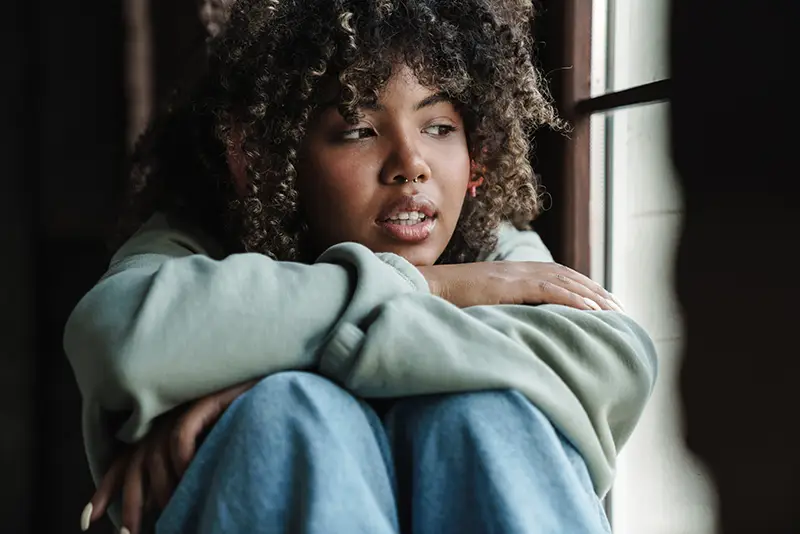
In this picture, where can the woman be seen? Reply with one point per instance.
(339, 214)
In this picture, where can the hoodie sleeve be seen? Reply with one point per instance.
(591, 373)
(168, 323)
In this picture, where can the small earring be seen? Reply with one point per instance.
(473, 189)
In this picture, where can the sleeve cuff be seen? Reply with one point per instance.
(406, 270)
(339, 355)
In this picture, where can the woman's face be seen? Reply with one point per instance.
(394, 182)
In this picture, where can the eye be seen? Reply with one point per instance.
(358, 133)
(440, 130)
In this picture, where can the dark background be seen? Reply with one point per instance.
(63, 115)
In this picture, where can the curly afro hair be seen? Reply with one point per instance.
(274, 66)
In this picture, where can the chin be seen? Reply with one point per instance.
(420, 255)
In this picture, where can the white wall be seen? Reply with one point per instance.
(660, 489)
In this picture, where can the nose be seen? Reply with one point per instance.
(405, 164)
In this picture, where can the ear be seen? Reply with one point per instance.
(476, 172)
(476, 175)
(237, 161)
(475, 181)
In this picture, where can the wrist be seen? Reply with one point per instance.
(434, 283)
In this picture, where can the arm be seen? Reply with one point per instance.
(168, 323)
(590, 372)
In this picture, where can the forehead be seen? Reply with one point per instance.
(403, 87)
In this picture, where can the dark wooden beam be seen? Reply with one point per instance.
(577, 28)
(562, 36)
(648, 93)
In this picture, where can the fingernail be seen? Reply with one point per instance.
(592, 304)
(86, 517)
(124, 530)
(614, 306)
(617, 302)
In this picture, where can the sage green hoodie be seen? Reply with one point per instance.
(173, 320)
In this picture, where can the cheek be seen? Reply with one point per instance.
(455, 173)
(335, 185)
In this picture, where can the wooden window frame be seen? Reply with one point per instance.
(578, 106)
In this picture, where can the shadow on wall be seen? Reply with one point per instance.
(736, 257)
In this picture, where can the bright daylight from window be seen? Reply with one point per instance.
(635, 218)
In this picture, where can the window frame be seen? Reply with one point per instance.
(578, 106)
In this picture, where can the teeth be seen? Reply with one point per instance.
(407, 218)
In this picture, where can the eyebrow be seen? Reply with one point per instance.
(431, 101)
(422, 104)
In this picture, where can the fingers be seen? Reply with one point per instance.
(548, 292)
(133, 491)
(200, 417)
(108, 488)
(595, 301)
(184, 435)
(160, 477)
(599, 298)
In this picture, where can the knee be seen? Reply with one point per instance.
(469, 413)
(287, 395)
(475, 421)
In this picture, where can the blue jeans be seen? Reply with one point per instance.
(298, 454)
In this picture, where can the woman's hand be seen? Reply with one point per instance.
(158, 462)
(512, 282)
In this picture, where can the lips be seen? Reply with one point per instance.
(410, 219)
(409, 204)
